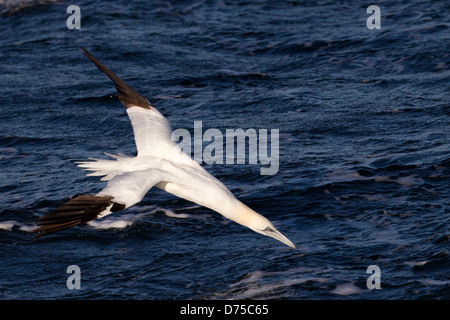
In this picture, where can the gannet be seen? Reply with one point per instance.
(159, 162)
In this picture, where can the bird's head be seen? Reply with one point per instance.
(253, 220)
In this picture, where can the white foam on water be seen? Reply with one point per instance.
(172, 214)
(10, 224)
(110, 224)
(121, 221)
(434, 282)
(416, 263)
(409, 181)
(262, 284)
(7, 225)
(347, 289)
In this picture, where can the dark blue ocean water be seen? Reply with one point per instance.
(363, 117)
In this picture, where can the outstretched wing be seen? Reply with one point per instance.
(152, 131)
(76, 211)
(130, 188)
(120, 193)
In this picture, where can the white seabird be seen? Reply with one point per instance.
(159, 162)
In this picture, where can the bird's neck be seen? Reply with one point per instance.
(243, 215)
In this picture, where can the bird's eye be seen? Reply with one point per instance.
(269, 229)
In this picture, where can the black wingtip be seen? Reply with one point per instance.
(76, 211)
(127, 95)
(85, 52)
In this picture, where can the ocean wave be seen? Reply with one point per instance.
(114, 221)
(350, 175)
(120, 221)
(268, 284)
(13, 6)
(10, 224)
(347, 289)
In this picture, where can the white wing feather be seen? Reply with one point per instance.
(152, 132)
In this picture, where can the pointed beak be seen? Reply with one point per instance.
(274, 233)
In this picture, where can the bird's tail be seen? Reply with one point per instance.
(106, 168)
(78, 210)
